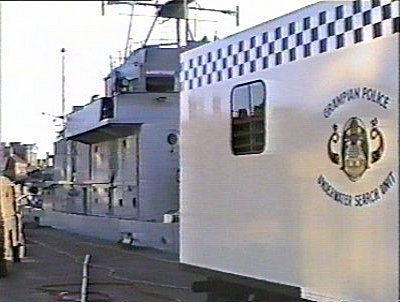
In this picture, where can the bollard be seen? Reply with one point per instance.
(85, 279)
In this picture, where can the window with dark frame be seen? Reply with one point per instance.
(248, 118)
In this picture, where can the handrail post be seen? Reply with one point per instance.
(85, 278)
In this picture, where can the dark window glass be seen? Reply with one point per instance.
(340, 41)
(265, 62)
(219, 76)
(204, 69)
(199, 82)
(356, 6)
(191, 63)
(230, 50)
(376, 3)
(229, 72)
(209, 79)
(199, 60)
(278, 58)
(299, 39)
(278, 33)
(322, 18)
(292, 54)
(186, 75)
(314, 34)
(209, 57)
(224, 63)
(322, 45)
(241, 69)
(271, 48)
(235, 60)
(292, 28)
(248, 118)
(386, 12)
(367, 18)
(265, 38)
(306, 23)
(285, 43)
(253, 42)
(358, 35)
(214, 66)
(339, 12)
(331, 29)
(246, 56)
(191, 84)
(160, 84)
(219, 53)
(241, 45)
(348, 24)
(307, 50)
(396, 25)
(252, 66)
(258, 52)
(377, 30)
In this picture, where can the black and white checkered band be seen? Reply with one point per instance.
(343, 25)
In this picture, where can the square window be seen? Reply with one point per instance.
(376, 3)
(253, 42)
(396, 25)
(271, 48)
(307, 50)
(340, 41)
(299, 39)
(377, 30)
(241, 69)
(224, 63)
(348, 24)
(356, 6)
(386, 12)
(246, 56)
(278, 33)
(358, 35)
(241, 46)
(292, 54)
(230, 50)
(322, 18)
(285, 43)
(252, 66)
(292, 28)
(248, 118)
(265, 38)
(265, 62)
(339, 12)
(278, 58)
(258, 52)
(331, 29)
(314, 34)
(322, 45)
(306, 23)
(367, 17)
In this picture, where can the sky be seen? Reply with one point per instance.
(34, 32)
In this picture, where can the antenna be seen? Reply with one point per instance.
(172, 9)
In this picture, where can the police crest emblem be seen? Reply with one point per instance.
(355, 143)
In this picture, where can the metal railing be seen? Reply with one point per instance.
(85, 279)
